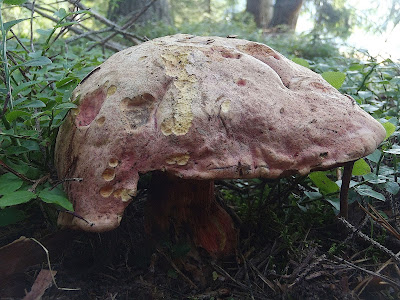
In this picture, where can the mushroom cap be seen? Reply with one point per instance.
(201, 108)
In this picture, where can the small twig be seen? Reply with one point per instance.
(37, 182)
(380, 220)
(371, 241)
(243, 286)
(127, 25)
(49, 264)
(102, 19)
(303, 264)
(262, 277)
(250, 287)
(308, 270)
(23, 177)
(363, 284)
(177, 269)
(109, 45)
(58, 182)
(367, 271)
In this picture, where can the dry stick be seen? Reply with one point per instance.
(127, 25)
(9, 169)
(109, 45)
(344, 191)
(308, 270)
(262, 277)
(247, 277)
(86, 34)
(380, 220)
(243, 286)
(177, 269)
(49, 264)
(367, 271)
(363, 284)
(102, 19)
(368, 239)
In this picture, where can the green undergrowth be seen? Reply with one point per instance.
(38, 77)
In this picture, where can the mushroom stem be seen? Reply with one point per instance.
(186, 207)
(344, 191)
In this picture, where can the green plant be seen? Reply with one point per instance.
(375, 87)
(38, 77)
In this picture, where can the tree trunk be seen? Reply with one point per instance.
(158, 11)
(262, 11)
(286, 13)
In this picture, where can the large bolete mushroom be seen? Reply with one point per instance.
(195, 109)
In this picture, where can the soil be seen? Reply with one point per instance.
(128, 264)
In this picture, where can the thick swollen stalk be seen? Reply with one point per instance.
(189, 208)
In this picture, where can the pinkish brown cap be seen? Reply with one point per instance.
(201, 108)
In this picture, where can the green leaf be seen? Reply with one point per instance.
(8, 25)
(15, 2)
(37, 62)
(15, 198)
(9, 183)
(366, 190)
(374, 179)
(66, 105)
(323, 183)
(61, 13)
(16, 150)
(214, 275)
(335, 202)
(22, 86)
(301, 62)
(392, 187)
(44, 32)
(361, 168)
(336, 79)
(355, 67)
(375, 156)
(10, 215)
(67, 81)
(390, 129)
(365, 94)
(56, 196)
(13, 115)
(33, 104)
(313, 195)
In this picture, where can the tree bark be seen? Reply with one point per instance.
(159, 11)
(286, 12)
(262, 10)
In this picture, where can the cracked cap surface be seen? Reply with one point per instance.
(200, 108)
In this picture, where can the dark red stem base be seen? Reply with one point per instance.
(189, 208)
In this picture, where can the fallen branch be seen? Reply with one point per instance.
(109, 45)
(127, 25)
(104, 20)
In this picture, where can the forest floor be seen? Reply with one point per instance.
(125, 264)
